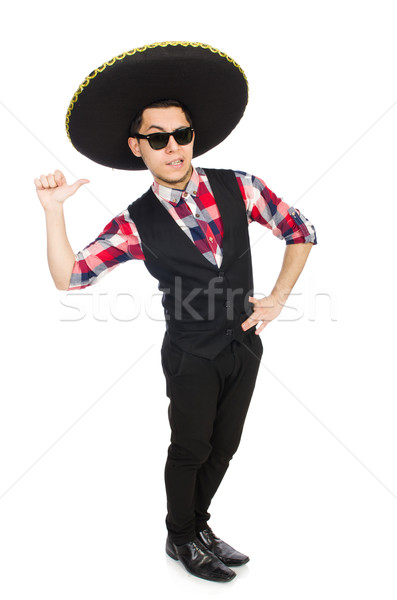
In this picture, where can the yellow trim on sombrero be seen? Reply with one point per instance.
(131, 53)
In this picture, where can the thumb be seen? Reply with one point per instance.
(77, 184)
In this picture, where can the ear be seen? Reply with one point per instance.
(134, 146)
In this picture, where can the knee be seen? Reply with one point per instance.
(221, 458)
(193, 454)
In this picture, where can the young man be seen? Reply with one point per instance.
(191, 229)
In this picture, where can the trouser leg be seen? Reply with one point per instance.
(193, 386)
(232, 410)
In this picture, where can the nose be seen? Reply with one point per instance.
(172, 145)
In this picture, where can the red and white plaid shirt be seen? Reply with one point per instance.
(195, 211)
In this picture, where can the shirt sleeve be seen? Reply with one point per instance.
(117, 243)
(264, 207)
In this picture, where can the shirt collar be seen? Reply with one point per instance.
(173, 196)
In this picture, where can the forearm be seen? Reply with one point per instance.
(295, 257)
(60, 255)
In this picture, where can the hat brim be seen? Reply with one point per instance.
(209, 83)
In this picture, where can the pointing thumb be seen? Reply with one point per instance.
(75, 186)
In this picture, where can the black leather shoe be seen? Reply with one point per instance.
(199, 561)
(228, 555)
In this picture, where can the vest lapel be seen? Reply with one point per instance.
(159, 211)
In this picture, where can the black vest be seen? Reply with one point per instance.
(204, 306)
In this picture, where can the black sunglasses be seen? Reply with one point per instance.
(157, 141)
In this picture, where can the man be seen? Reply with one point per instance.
(191, 229)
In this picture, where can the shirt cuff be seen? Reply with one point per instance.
(303, 230)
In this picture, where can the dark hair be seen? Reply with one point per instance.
(137, 120)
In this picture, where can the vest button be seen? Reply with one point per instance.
(228, 304)
(228, 331)
(221, 274)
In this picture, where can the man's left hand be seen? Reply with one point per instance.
(265, 310)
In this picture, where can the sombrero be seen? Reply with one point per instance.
(207, 81)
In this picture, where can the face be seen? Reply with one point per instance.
(171, 166)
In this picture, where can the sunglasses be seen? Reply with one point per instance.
(157, 141)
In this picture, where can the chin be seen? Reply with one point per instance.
(173, 179)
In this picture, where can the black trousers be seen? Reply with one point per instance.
(209, 400)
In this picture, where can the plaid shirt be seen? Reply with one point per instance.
(195, 211)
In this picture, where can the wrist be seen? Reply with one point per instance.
(280, 295)
(53, 209)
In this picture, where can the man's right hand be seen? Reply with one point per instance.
(54, 189)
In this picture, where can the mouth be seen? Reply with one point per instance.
(175, 163)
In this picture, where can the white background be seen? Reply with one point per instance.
(311, 494)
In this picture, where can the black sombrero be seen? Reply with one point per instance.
(209, 83)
